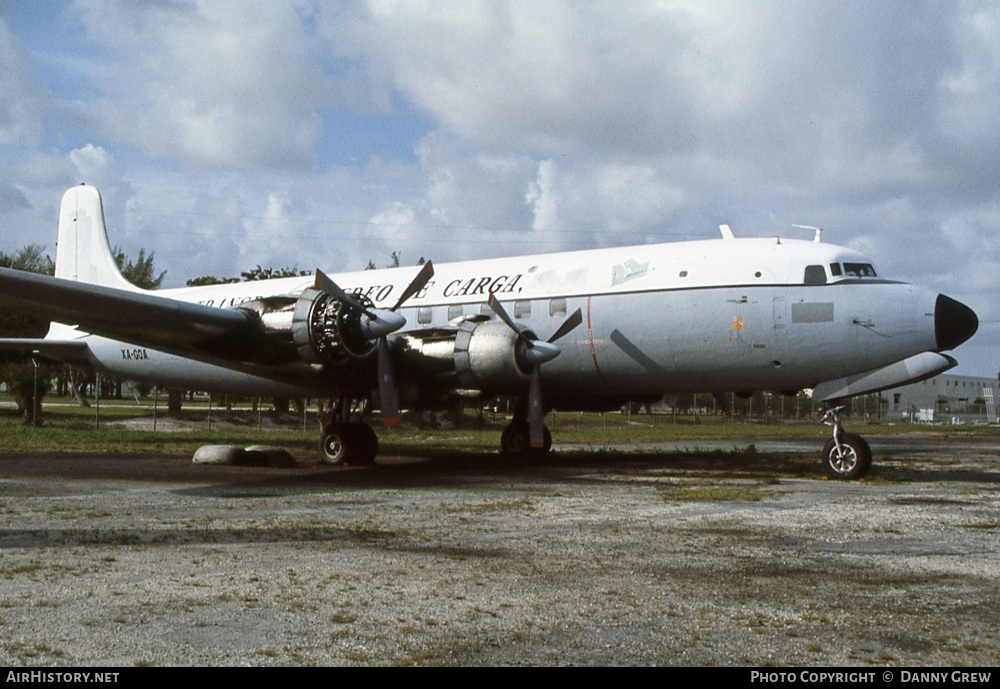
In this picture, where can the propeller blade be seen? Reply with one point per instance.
(536, 412)
(500, 311)
(327, 285)
(419, 282)
(388, 396)
(568, 325)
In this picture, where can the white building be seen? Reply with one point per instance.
(945, 398)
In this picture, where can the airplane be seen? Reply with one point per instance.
(580, 330)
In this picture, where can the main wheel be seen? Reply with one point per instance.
(348, 443)
(365, 444)
(515, 441)
(334, 444)
(546, 443)
(854, 462)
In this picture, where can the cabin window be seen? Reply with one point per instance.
(557, 307)
(454, 311)
(424, 315)
(859, 270)
(815, 275)
(683, 273)
(522, 309)
(835, 270)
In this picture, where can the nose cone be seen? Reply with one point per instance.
(954, 323)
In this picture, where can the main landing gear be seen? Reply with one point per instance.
(348, 443)
(514, 441)
(342, 441)
(846, 456)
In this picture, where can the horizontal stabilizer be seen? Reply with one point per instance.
(74, 352)
(912, 370)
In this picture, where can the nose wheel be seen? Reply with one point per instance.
(846, 456)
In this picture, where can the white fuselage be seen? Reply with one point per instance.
(714, 315)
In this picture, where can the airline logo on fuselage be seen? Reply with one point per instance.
(480, 285)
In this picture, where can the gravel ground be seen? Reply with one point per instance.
(653, 556)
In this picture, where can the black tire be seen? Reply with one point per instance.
(515, 442)
(354, 444)
(547, 443)
(855, 462)
(365, 445)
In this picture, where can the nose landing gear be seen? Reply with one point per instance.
(846, 456)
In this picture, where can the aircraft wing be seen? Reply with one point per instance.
(209, 333)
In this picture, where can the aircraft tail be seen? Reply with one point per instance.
(82, 250)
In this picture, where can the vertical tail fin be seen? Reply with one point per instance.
(82, 250)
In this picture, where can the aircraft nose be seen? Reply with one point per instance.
(954, 323)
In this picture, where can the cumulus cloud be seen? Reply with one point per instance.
(210, 84)
(655, 79)
(22, 100)
(779, 110)
(600, 204)
(11, 197)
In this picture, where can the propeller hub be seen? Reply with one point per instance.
(539, 352)
(383, 323)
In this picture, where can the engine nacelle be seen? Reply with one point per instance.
(327, 331)
(481, 355)
(323, 330)
(490, 356)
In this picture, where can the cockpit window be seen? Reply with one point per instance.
(835, 270)
(815, 275)
(859, 270)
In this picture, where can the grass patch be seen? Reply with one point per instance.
(343, 617)
(69, 428)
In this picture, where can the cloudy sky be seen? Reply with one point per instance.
(224, 135)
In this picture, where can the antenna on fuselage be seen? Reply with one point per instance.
(726, 232)
(819, 230)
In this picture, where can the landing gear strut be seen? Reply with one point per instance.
(344, 442)
(846, 456)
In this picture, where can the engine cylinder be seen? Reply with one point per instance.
(319, 328)
(326, 330)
